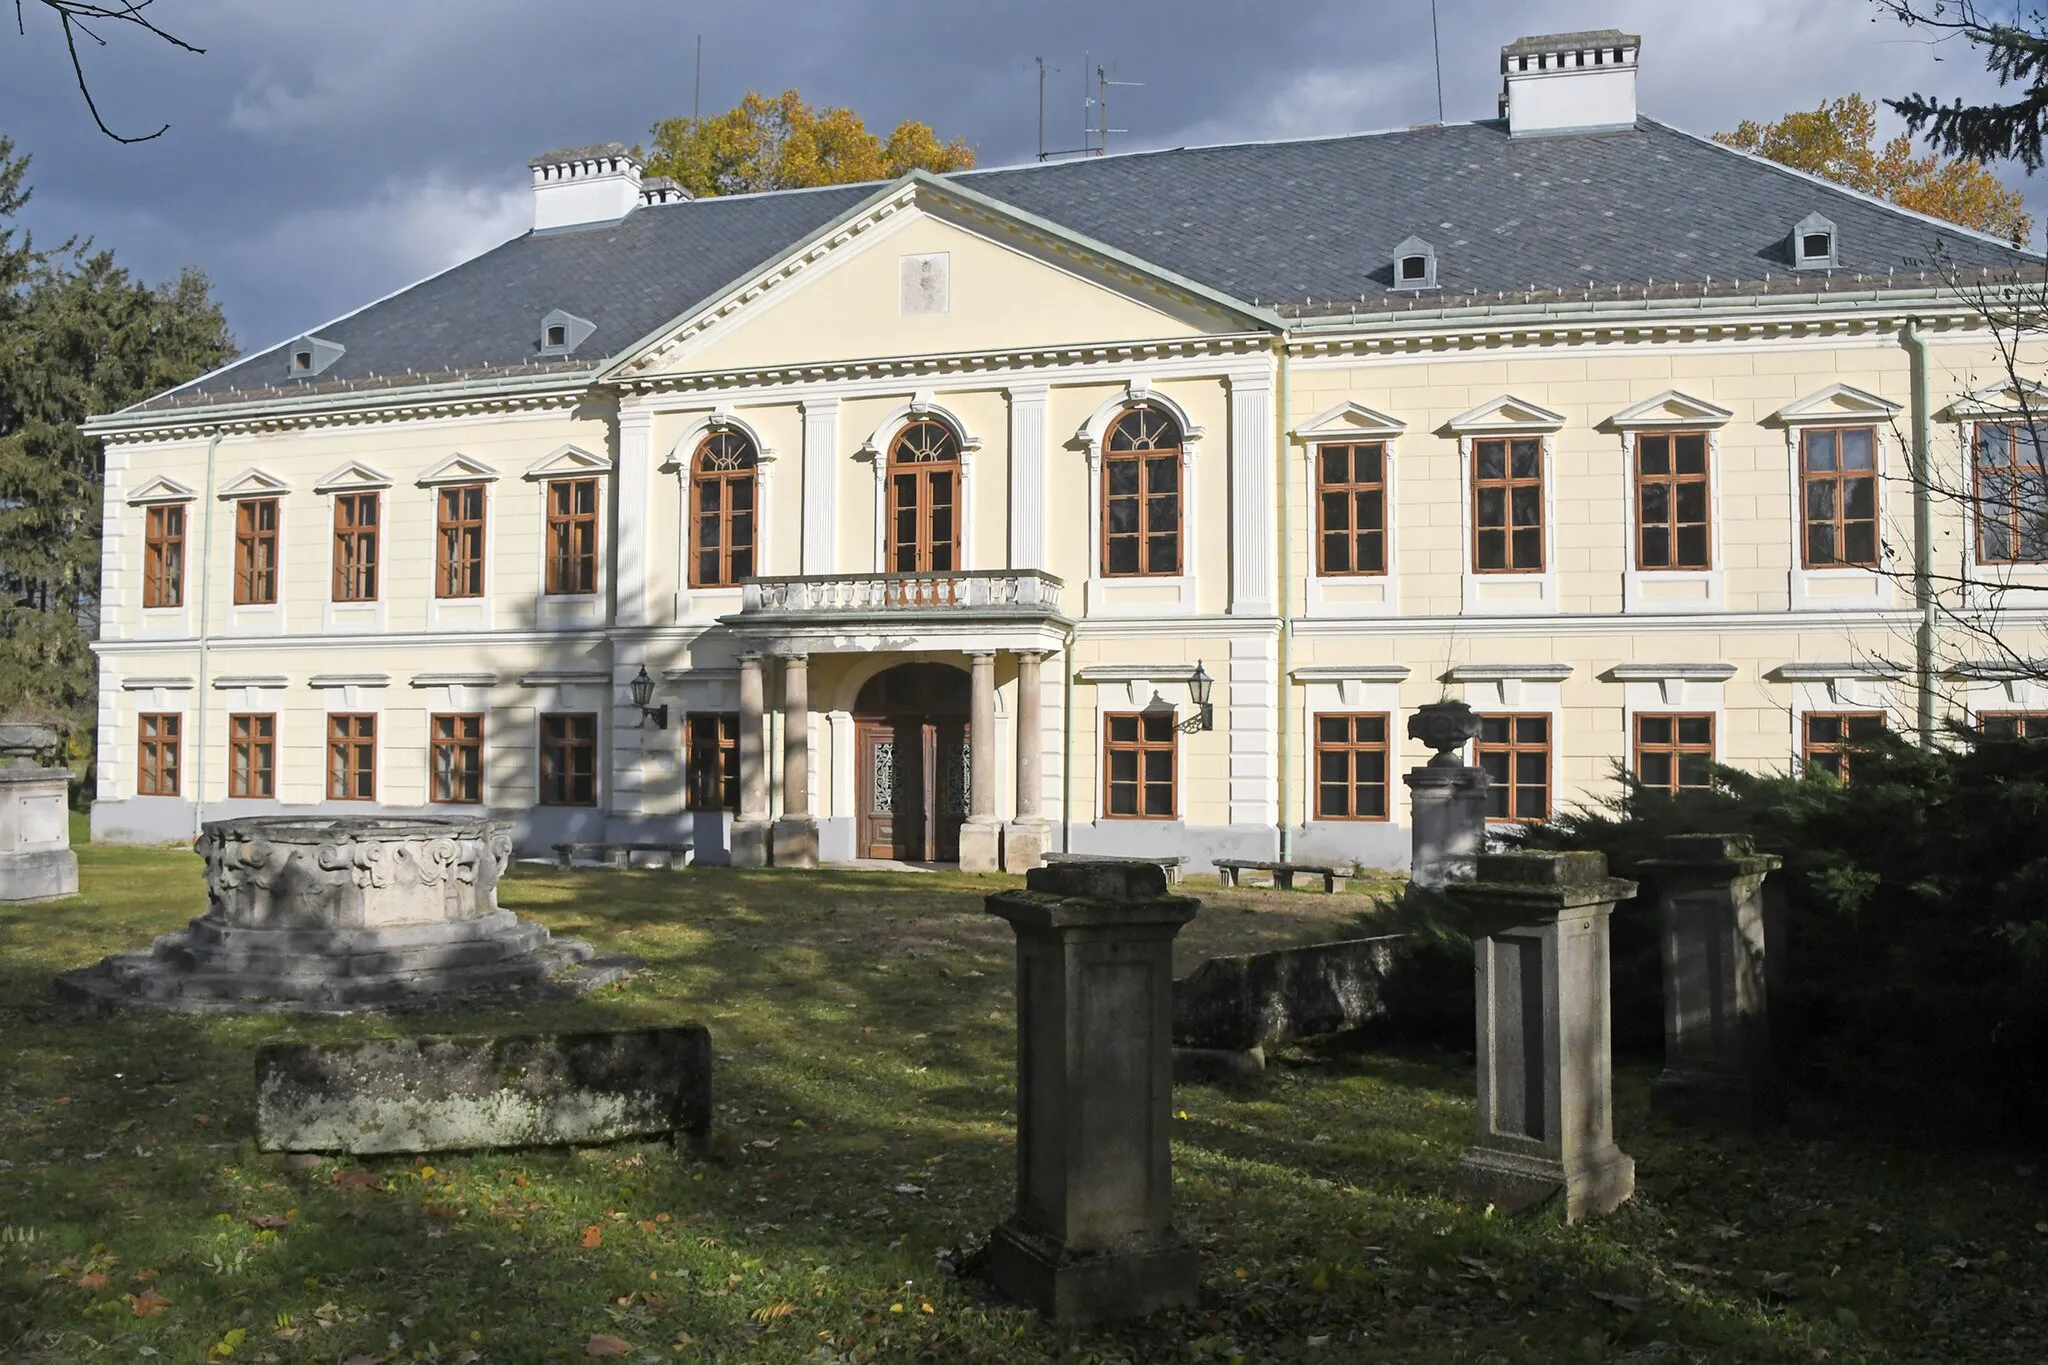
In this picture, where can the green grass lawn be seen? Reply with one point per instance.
(863, 1028)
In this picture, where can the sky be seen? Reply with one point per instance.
(324, 153)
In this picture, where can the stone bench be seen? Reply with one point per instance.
(1171, 865)
(618, 856)
(1229, 871)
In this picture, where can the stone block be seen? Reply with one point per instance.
(981, 846)
(38, 876)
(795, 842)
(476, 1093)
(750, 843)
(1025, 843)
(1448, 820)
(1258, 999)
(36, 861)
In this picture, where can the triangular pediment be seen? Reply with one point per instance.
(2013, 398)
(457, 469)
(928, 267)
(1354, 420)
(1505, 413)
(254, 483)
(160, 489)
(567, 460)
(1670, 409)
(1836, 403)
(353, 477)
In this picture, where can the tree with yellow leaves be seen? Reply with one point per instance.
(783, 143)
(1838, 142)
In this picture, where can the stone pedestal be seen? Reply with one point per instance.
(981, 845)
(1546, 1082)
(1447, 817)
(794, 842)
(36, 861)
(1717, 1051)
(1025, 843)
(1092, 1238)
(751, 840)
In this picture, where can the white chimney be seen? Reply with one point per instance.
(1569, 83)
(580, 186)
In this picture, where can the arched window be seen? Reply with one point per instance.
(1141, 495)
(722, 510)
(924, 500)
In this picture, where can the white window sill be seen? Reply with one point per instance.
(1510, 594)
(1140, 596)
(1839, 589)
(1352, 596)
(1672, 590)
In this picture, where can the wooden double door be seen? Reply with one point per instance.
(911, 735)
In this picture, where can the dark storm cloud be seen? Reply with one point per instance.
(323, 154)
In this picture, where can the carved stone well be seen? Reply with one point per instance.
(333, 914)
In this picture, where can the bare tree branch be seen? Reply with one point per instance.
(76, 17)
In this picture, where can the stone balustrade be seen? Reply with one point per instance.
(1019, 591)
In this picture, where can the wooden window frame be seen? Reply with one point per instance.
(1507, 486)
(1672, 481)
(1676, 748)
(2025, 724)
(445, 736)
(712, 755)
(256, 552)
(160, 753)
(357, 551)
(2007, 521)
(358, 754)
(163, 555)
(1351, 490)
(555, 779)
(744, 469)
(1811, 751)
(1144, 536)
(460, 540)
(1513, 748)
(1143, 746)
(1352, 747)
(925, 548)
(252, 754)
(572, 570)
(1840, 479)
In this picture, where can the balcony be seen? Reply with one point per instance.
(987, 608)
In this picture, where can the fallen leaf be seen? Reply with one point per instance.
(592, 1236)
(269, 1220)
(772, 1312)
(1688, 1268)
(148, 1303)
(91, 1279)
(357, 1180)
(1625, 1302)
(203, 1120)
(602, 1345)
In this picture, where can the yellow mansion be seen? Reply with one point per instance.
(912, 520)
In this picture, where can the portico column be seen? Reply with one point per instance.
(750, 830)
(796, 833)
(981, 837)
(1024, 841)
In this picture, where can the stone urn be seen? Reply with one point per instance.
(1447, 727)
(331, 914)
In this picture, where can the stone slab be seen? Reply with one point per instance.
(1513, 1182)
(1257, 999)
(38, 876)
(981, 846)
(442, 1094)
(1101, 1286)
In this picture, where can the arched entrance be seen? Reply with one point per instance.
(910, 731)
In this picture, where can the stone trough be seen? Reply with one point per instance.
(337, 914)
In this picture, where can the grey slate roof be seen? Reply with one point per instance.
(1269, 223)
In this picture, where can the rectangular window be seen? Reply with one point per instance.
(2013, 724)
(355, 547)
(1507, 505)
(255, 552)
(572, 537)
(156, 765)
(1141, 513)
(1838, 497)
(715, 761)
(456, 760)
(1515, 752)
(1351, 767)
(163, 556)
(1831, 735)
(352, 757)
(1351, 509)
(2011, 495)
(1675, 753)
(459, 542)
(1672, 530)
(252, 756)
(568, 760)
(1138, 763)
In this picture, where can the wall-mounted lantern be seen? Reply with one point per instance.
(642, 688)
(1199, 687)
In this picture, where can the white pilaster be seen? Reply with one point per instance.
(632, 494)
(1027, 478)
(1253, 700)
(1251, 496)
(821, 485)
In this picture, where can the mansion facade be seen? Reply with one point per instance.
(1127, 504)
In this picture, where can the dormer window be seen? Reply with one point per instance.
(1815, 244)
(1415, 265)
(562, 332)
(302, 361)
(309, 356)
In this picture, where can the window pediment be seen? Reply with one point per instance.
(1352, 421)
(1138, 393)
(253, 483)
(1836, 403)
(2013, 398)
(719, 420)
(353, 477)
(1670, 408)
(160, 489)
(566, 462)
(920, 408)
(1505, 414)
(458, 469)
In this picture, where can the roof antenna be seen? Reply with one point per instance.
(697, 88)
(1437, 51)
